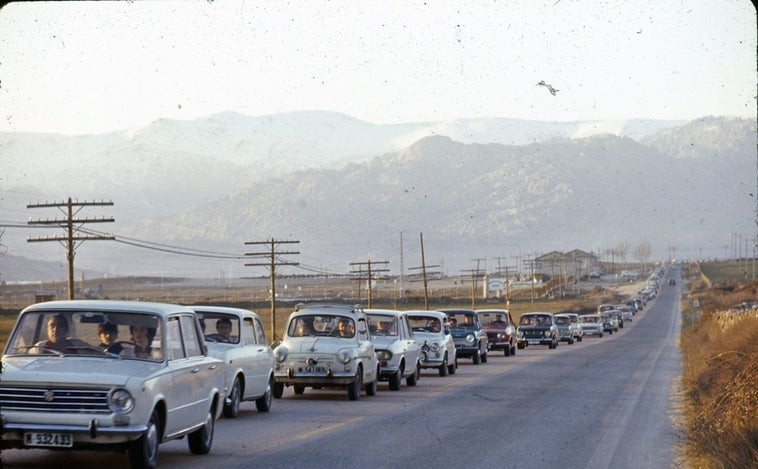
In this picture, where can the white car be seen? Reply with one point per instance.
(326, 345)
(70, 381)
(592, 324)
(569, 327)
(433, 335)
(236, 337)
(395, 343)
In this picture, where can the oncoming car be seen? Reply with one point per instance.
(236, 337)
(433, 336)
(109, 374)
(326, 345)
(399, 354)
(537, 329)
(500, 329)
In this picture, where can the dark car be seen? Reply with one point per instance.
(500, 329)
(468, 335)
(537, 329)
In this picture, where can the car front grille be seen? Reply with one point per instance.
(55, 400)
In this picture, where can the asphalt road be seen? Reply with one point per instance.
(606, 402)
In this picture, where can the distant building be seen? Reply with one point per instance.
(576, 264)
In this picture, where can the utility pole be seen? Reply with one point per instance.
(73, 226)
(274, 261)
(475, 275)
(424, 272)
(369, 275)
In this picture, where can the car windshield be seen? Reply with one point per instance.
(425, 323)
(319, 325)
(534, 320)
(562, 321)
(492, 320)
(91, 333)
(220, 327)
(461, 320)
(382, 325)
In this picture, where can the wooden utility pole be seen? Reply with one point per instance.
(273, 262)
(358, 274)
(73, 227)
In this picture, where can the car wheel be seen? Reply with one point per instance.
(201, 440)
(484, 357)
(298, 388)
(354, 388)
(513, 350)
(143, 452)
(412, 380)
(580, 338)
(263, 403)
(444, 369)
(507, 350)
(477, 358)
(395, 380)
(571, 341)
(278, 390)
(601, 335)
(232, 409)
(371, 387)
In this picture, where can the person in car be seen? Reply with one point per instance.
(142, 336)
(57, 337)
(108, 333)
(345, 328)
(224, 329)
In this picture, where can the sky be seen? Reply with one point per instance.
(95, 67)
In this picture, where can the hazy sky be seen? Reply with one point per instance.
(93, 67)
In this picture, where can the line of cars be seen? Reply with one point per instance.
(70, 381)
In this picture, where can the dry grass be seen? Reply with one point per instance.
(721, 379)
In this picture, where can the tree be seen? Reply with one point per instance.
(643, 252)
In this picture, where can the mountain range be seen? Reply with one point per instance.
(495, 191)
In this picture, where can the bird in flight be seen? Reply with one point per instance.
(549, 87)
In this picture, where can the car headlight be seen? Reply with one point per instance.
(500, 336)
(121, 401)
(509, 330)
(470, 338)
(383, 354)
(280, 353)
(345, 355)
(435, 347)
(520, 334)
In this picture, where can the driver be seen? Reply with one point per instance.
(108, 333)
(224, 329)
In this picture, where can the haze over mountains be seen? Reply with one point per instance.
(345, 189)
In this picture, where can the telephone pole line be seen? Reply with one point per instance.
(274, 261)
(72, 226)
(358, 274)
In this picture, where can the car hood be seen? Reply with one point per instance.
(316, 344)
(462, 332)
(535, 328)
(382, 341)
(76, 370)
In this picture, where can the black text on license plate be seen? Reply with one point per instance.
(58, 440)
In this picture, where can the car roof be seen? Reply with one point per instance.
(163, 309)
(386, 312)
(223, 309)
(493, 311)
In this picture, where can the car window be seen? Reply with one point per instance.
(383, 325)
(174, 339)
(190, 337)
(260, 333)
(425, 323)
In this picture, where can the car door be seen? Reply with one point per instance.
(412, 349)
(188, 403)
(257, 359)
(366, 350)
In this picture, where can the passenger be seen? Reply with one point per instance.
(436, 325)
(345, 328)
(142, 336)
(303, 329)
(57, 336)
(224, 329)
(108, 333)
(498, 320)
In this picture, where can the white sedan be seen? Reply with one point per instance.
(69, 381)
(236, 336)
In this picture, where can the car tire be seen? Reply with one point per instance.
(395, 379)
(477, 358)
(354, 388)
(451, 369)
(299, 389)
(278, 390)
(507, 350)
(444, 369)
(579, 339)
(372, 386)
(201, 440)
(571, 341)
(263, 403)
(143, 452)
(412, 380)
(232, 409)
(484, 357)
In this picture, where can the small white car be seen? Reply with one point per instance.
(569, 328)
(433, 335)
(71, 381)
(592, 324)
(395, 343)
(326, 345)
(236, 337)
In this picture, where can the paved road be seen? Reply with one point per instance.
(601, 403)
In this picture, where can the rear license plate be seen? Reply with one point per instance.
(56, 440)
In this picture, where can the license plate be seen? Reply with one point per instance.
(534, 342)
(57, 440)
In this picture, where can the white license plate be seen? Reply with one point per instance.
(56, 440)
(534, 342)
